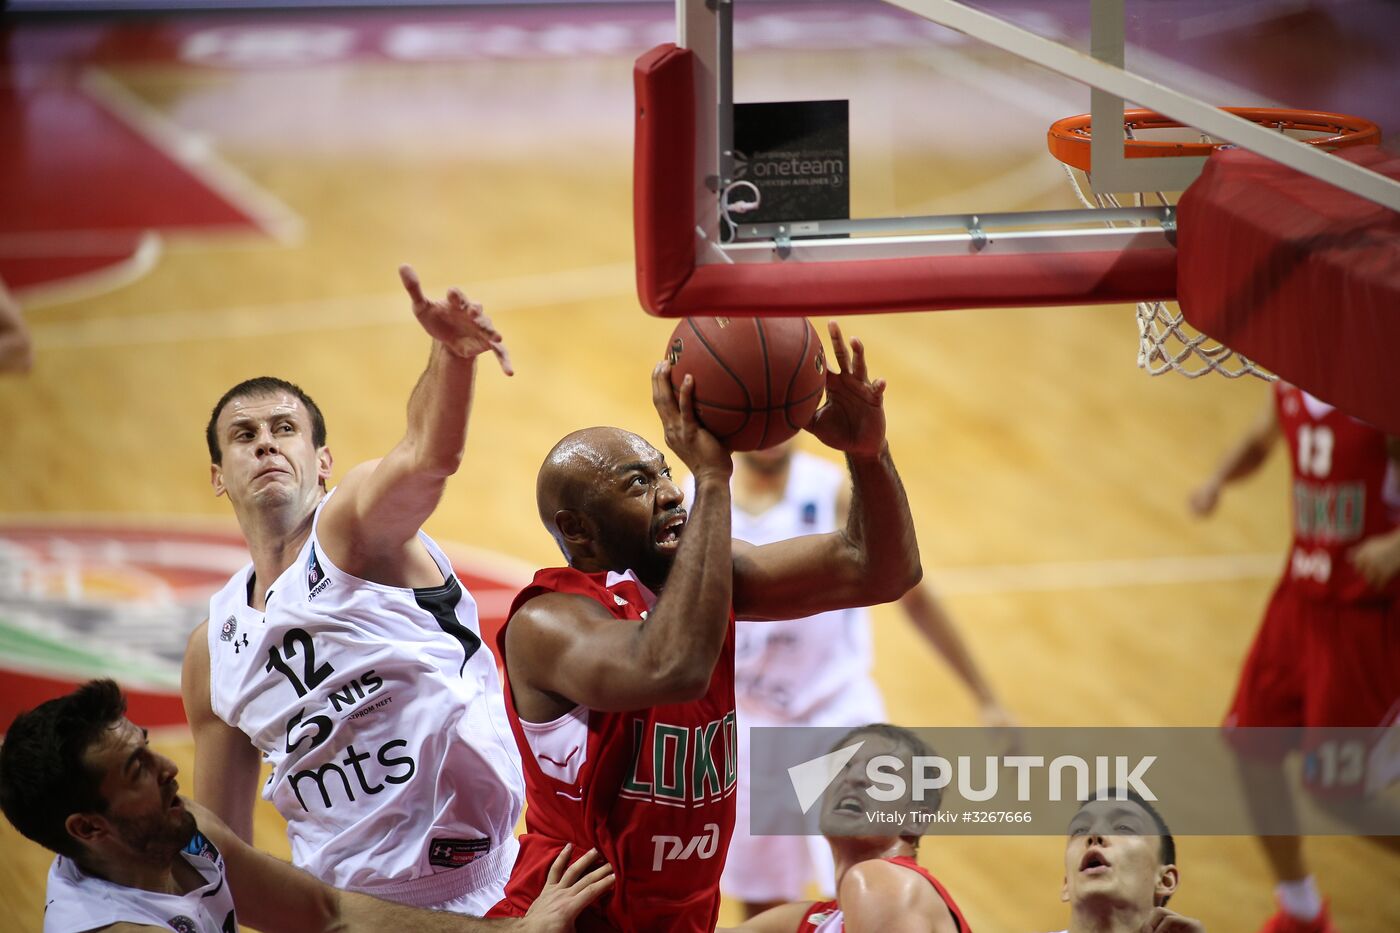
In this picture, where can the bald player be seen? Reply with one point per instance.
(620, 666)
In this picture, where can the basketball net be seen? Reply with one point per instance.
(1166, 343)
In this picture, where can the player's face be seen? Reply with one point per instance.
(1113, 854)
(269, 458)
(638, 509)
(144, 813)
(770, 459)
(848, 809)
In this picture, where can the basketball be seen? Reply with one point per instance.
(758, 381)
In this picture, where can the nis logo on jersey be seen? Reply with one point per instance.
(350, 698)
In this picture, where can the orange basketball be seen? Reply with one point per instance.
(758, 381)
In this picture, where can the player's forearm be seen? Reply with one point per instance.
(880, 528)
(360, 913)
(932, 621)
(682, 637)
(438, 411)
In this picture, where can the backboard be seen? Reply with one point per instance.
(936, 87)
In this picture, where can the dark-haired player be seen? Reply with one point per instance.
(1328, 650)
(880, 886)
(1120, 869)
(79, 778)
(348, 654)
(620, 666)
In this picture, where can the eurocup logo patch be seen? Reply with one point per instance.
(228, 629)
(674, 354)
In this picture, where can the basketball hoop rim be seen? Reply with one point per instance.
(1069, 138)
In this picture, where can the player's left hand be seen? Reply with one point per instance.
(1377, 558)
(567, 892)
(853, 416)
(1162, 920)
(458, 324)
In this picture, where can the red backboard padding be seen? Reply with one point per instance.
(1298, 275)
(671, 284)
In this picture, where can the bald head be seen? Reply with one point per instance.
(580, 466)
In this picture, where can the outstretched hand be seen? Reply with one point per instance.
(567, 892)
(698, 449)
(460, 325)
(853, 416)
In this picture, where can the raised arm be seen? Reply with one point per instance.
(273, 896)
(226, 764)
(1243, 459)
(370, 527)
(571, 648)
(875, 558)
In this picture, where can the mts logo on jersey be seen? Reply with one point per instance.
(679, 765)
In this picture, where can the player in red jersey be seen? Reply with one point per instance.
(620, 667)
(881, 888)
(1328, 651)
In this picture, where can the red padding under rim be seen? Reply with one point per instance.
(1299, 275)
(669, 283)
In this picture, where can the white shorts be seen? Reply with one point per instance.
(760, 869)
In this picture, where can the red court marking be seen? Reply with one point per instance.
(24, 691)
(70, 167)
(192, 563)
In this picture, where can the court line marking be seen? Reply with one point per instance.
(88, 285)
(526, 292)
(1055, 576)
(194, 152)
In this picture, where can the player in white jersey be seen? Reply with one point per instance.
(814, 671)
(79, 778)
(348, 655)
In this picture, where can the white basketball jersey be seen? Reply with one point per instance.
(380, 710)
(76, 901)
(786, 670)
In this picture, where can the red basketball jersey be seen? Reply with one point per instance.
(826, 917)
(651, 789)
(1340, 474)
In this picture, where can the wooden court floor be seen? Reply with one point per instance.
(1048, 475)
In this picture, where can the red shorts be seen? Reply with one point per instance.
(1319, 664)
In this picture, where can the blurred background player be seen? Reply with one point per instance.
(16, 349)
(348, 654)
(79, 778)
(1120, 869)
(1328, 650)
(620, 666)
(881, 888)
(810, 672)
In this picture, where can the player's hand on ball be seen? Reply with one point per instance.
(853, 416)
(685, 435)
(1162, 920)
(567, 892)
(459, 324)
